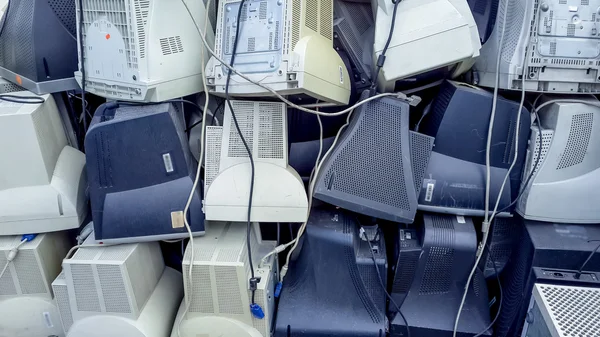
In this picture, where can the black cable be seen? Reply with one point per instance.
(83, 106)
(253, 281)
(383, 284)
(530, 176)
(22, 99)
(212, 121)
(580, 270)
(200, 121)
(499, 287)
(381, 58)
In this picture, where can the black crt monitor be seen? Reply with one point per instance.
(434, 259)
(485, 13)
(545, 250)
(332, 287)
(38, 45)
(455, 178)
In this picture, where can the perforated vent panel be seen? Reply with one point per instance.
(407, 266)
(113, 289)
(436, 279)
(579, 138)
(244, 112)
(420, 152)
(171, 45)
(86, 295)
(214, 136)
(65, 12)
(7, 87)
(312, 15)
(142, 9)
(7, 286)
(202, 292)
(270, 132)
(117, 253)
(61, 296)
(514, 24)
(296, 17)
(29, 273)
(574, 310)
(230, 299)
(326, 18)
(374, 152)
(16, 47)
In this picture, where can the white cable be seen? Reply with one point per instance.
(200, 160)
(311, 186)
(11, 256)
(487, 219)
(275, 93)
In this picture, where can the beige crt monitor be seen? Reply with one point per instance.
(286, 45)
(27, 306)
(42, 180)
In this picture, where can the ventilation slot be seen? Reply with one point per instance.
(262, 11)
(573, 309)
(171, 45)
(29, 274)
(7, 285)
(270, 134)
(61, 296)
(113, 289)
(326, 18)
(577, 143)
(585, 2)
(65, 12)
(553, 48)
(214, 135)
(436, 279)
(296, 15)
(228, 291)
(244, 112)
(420, 150)
(311, 18)
(86, 295)
(251, 44)
(202, 292)
(142, 9)
(571, 29)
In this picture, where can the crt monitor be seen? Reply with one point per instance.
(286, 45)
(561, 40)
(565, 185)
(141, 173)
(455, 179)
(42, 179)
(38, 45)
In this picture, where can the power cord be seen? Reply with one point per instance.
(81, 50)
(500, 290)
(22, 99)
(383, 287)
(381, 58)
(580, 270)
(487, 218)
(15, 250)
(256, 310)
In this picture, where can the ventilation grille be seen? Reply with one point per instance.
(142, 9)
(86, 295)
(271, 131)
(574, 310)
(326, 19)
(228, 291)
(61, 296)
(29, 274)
(312, 15)
(7, 87)
(202, 292)
(16, 47)
(296, 18)
(515, 17)
(577, 143)
(244, 112)
(65, 12)
(533, 154)
(171, 45)
(260, 324)
(113, 289)
(436, 279)
(118, 12)
(420, 152)
(7, 285)
(117, 253)
(214, 136)
(371, 156)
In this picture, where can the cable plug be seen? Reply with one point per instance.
(257, 311)
(485, 226)
(283, 272)
(278, 289)
(12, 254)
(28, 237)
(412, 100)
(254, 281)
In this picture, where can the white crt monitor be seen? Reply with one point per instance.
(566, 184)
(562, 42)
(145, 51)
(27, 306)
(42, 179)
(428, 35)
(286, 45)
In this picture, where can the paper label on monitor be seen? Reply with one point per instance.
(341, 75)
(429, 192)
(168, 162)
(48, 320)
(177, 219)
(460, 219)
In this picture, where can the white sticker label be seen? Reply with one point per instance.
(177, 219)
(48, 320)
(429, 192)
(460, 219)
(168, 162)
(341, 75)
